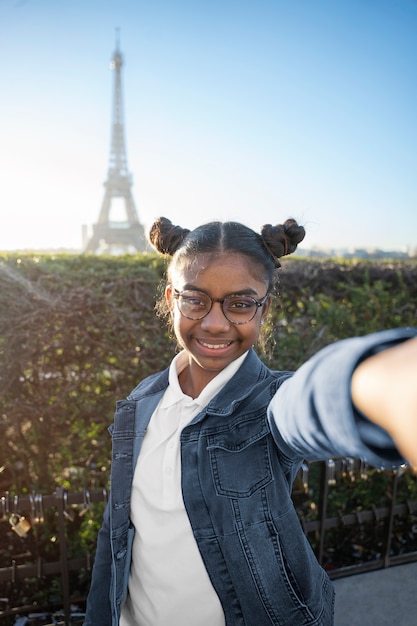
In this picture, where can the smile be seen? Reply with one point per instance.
(217, 346)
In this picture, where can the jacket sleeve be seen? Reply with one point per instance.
(98, 611)
(312, 416)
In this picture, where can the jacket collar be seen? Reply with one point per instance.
(240, 386)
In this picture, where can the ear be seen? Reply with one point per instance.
(169, 298)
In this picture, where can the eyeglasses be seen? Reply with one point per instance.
(237, 309)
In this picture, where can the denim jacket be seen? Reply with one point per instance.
(239, 457)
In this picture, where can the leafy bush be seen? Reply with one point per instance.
(78, 332)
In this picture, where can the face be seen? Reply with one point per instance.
(213, 342)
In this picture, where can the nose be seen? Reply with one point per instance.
(215, 320)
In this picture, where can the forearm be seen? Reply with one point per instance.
(384, 388)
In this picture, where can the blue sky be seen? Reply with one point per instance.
(254, 110)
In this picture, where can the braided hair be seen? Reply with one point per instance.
(264, 249)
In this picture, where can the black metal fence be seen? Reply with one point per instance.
(374, 529)
(362, 534)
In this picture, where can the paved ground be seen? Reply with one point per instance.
(386, 597)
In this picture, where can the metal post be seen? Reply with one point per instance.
(390, 523)
(326, 478)
(59, 494)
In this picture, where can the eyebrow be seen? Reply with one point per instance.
(241, 292)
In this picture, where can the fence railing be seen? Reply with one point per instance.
(62, 503)
(389, 545)
(389, 528)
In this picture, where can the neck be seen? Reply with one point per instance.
(193, 380)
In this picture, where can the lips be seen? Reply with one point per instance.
(214, 346)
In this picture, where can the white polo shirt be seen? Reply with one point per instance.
(168, 583)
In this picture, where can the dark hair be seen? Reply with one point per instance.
(264, 249)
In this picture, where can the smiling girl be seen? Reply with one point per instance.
(200, 529)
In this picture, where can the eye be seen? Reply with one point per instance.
(240, 303)
(194, 300)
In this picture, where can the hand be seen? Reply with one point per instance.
(384, 388)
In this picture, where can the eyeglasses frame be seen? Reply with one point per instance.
(258, 303)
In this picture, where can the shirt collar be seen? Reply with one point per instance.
(174, 393)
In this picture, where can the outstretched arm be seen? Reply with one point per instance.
(319, 413)
(384, 388)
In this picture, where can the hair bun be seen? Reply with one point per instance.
(282, 239)
(165, 237)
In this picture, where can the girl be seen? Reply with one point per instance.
(200, 529)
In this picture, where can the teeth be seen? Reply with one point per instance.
(217, 346)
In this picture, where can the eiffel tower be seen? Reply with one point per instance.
(121, 235)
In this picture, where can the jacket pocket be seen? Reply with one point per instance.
(240, 458)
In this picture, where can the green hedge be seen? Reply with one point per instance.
(78, 332)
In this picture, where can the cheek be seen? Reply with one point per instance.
(179, 323)
(255, 332)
